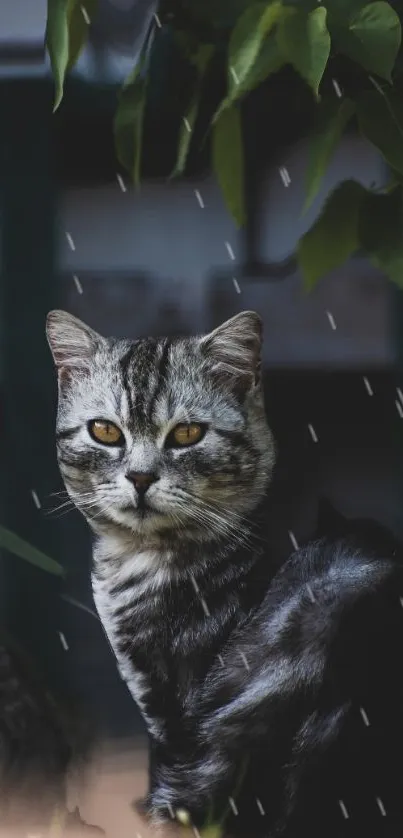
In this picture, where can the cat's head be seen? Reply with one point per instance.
(159, 435)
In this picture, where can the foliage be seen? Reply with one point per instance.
(14, 544)
(255, 40)
(66, 32)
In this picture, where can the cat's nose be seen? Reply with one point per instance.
(142, 480)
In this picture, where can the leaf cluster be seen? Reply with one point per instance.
(254, 42)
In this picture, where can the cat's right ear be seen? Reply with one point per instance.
(72, 343)
(234, 349)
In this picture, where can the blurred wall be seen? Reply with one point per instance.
(182, 239)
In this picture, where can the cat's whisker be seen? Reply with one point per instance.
(85, 501)
(217, 508)
(211, 522)
(64, 494)
(212, 516)
(67, 506)
(54, 513)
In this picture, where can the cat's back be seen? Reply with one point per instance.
(323, 695)
(347, 749)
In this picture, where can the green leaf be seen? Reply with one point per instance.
(247, 39)
(57, 44)
(228, 161)
(201, 61)
(334, 236)
(212, 832)
(381, 232)
(253, 51)
(305, 43)
(380, 118)
(333, 118)
(82, 14)
(372, 38)
(16, 545)
(186, 132)
(128, 123)
(66, 31)
(269, 60)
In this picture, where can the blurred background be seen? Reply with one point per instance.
(168, 259)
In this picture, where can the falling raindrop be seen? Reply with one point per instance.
(77, 283)
(337, 88)
(293, 540)
(231, 253)
(121, 183)
(63, 641)
(285, 176)
(70, 241)
(331, 320)
(368, 386)
(199, 198)
(85, 15)
(35, 499)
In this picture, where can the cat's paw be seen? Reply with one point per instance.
(165, 808)
(183, 817)
(178, 797)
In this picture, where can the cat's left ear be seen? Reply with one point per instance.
(235, 348)
(72, 343)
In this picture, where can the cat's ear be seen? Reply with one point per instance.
(234, 348)
(72, 343)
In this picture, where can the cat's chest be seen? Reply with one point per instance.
(127, 601)
(164, 634)
(147, 620)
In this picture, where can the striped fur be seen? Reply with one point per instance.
(205, 502)
(237, 674)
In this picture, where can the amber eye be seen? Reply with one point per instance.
(186, 435)
(105, 432)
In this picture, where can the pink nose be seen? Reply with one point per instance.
(141, 480)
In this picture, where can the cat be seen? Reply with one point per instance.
(252, 681)
(38, 746)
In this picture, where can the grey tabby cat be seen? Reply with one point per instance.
(250, 680)
(164, 447)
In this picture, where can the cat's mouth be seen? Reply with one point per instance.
(144, 518)
(146, 512)
(142, 510)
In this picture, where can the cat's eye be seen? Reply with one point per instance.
(186, 434)
(107, 433)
